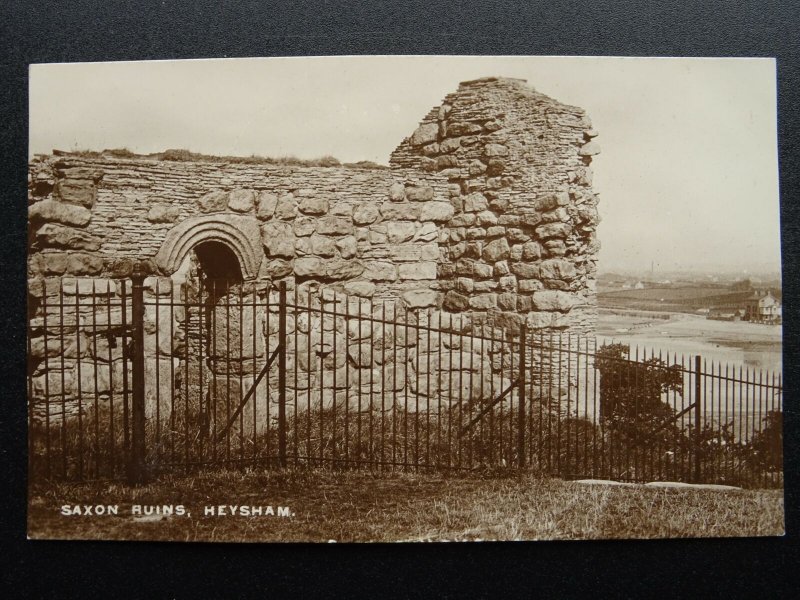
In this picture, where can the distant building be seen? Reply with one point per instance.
(763, 307)
(724, 313)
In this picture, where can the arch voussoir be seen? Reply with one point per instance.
(240, 233)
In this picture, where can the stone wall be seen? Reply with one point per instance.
(486, 212)
(487, 208)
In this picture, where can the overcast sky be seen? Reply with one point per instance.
(687, 177)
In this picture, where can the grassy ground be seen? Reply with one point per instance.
(346, 507)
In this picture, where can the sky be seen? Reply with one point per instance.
(687, 177)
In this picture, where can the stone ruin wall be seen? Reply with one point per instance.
(486, 212)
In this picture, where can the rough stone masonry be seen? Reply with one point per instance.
(486, 211)
(487, 208)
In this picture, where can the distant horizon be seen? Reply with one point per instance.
(687, 176)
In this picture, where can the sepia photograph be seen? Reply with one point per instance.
(404, 299)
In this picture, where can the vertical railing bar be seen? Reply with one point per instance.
(405, 393)
(417, 337)
(450, 399)
(187, 332)
(383, 377)
(125, 384)
(64, 469)
(335, 389)
(172, 370)
(137, 474)
(157, 363)
(254, 320)
(46, 342)
(321, 380)
(429, 322)
(282, 308)
(558, 391)
(372, 378)
(78, 378)
(521, 400)
(439, 386)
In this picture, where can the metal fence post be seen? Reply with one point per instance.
(136, 472)
(697, 417)
(521, 425)
(282, 340)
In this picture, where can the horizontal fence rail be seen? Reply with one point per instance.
(134, 377)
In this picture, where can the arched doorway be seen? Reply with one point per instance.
(225, 348)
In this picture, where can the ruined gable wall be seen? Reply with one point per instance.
(514, 164)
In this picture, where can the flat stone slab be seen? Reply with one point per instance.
(660, 484)
(603, 482)
(694, 486)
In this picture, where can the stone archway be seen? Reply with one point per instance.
(239, 233)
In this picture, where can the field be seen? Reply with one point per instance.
(751, 345)
(678, 299)
(361, 507)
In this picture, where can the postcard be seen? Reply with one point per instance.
(404, 298)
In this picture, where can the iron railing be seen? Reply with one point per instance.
(131, 378)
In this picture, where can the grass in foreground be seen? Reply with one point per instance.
(350, 506)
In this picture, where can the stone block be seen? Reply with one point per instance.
(420, 298)
(455, 302)
(380, 271)
(364, 289)
(397, 192)
(483, 271)
(475, 202)
(525, 270)
(557, 268)
(54, 235)
(428, 232)
(589, 149)
(508, 282)
(334, 226)
(241, 201)
(322, 245)
(81, 192)
(507, 301)
(496, 250)
(401, 211)
(286, 208)
(487, 218)
(347, 246)
(531, 251)
(529, 285)
(277, 268)
(215, 201)
(311, 205)
(278, 239)
(267, 202)
(399, 231)
(304, 226)
(422, 193)
(495, 150)
(549, 300)
(424, 134)
(365, 214)
(84, 264)
(447, 161)
(437, 211)
(553, 230)
(60, 212)
(458, 129)
(163, 213)
(417, 271)
(483, 301)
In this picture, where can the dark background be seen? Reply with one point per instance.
(103, 30)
